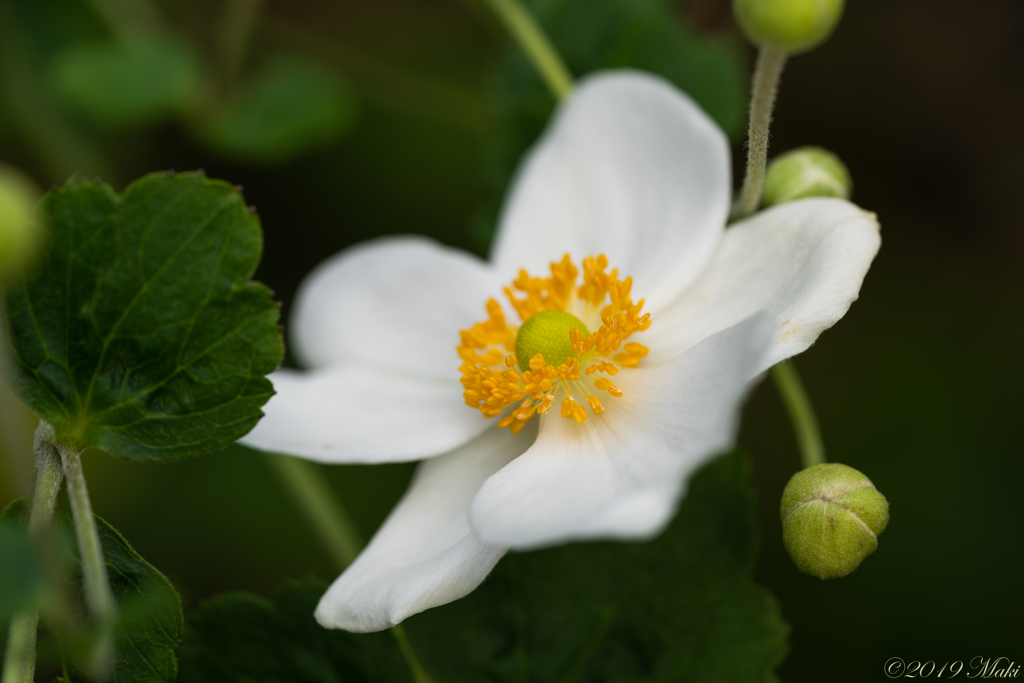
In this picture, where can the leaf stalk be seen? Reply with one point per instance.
(95, 581)
(20, 660)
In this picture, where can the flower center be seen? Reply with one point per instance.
(547, 333)
(553, 348)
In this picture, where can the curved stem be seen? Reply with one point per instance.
(336, 529)
(419, 674)
(95, 582)
(805, 424)
(20, 660)
(767, 73)
(329, 518)
(538, 48)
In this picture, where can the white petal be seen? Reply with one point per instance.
(425, 554)
(803, 263)
(394, 302)
(356, 414)
(622, 472)
(630, 168)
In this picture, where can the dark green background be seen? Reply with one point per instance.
(919, 387)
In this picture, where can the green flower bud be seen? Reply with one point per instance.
(19, 234)
(806, 172)
(789, 25)
(831, 517)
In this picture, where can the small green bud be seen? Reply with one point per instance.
(789, 25)
(19, 233)
(831, 517)
(806, 172)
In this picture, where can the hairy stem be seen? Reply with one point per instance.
(805, 424)
(20, 660)
(95, 582)
(322, 509)
(770, 62)
(767, 73)
(538, 48)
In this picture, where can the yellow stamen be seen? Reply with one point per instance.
(495, 381)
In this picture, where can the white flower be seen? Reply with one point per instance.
(632, 169)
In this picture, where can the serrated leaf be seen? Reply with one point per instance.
(142, 333)
(242, 637)
(287, 109)
(150, 620)
(680, 608)
(22, 583)
(121, 84)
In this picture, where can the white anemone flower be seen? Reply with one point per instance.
(630, 173)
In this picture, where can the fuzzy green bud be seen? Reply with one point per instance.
(806, 172)
(19, 232)
(831, 517)
(789, 25)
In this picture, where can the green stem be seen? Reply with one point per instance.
(322, 509)
(336, 529)
(538, 48)
(20, 660)
(419, 674)
(95, 582)
(767, 73)
(770, 62)
(13, 426)
(805, 424)
(238, 23)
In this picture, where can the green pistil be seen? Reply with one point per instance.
(547, 333)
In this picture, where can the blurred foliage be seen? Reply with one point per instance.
(682, 607)
(240, 636)
(290, 106)
(22, 582)
(150, 619)
(141, 332)
(132, 84)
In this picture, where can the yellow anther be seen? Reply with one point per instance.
(493, 378)
(567, 404)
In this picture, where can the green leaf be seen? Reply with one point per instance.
(121, 84)
(680, 608)
(289, 108)
(142, 333)
(150, 620)
(22, 583)
(242, 637)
